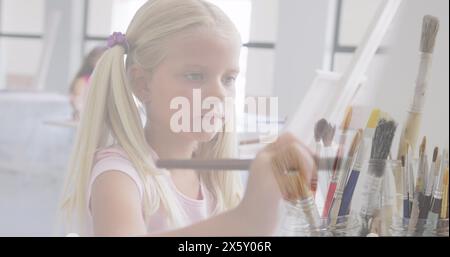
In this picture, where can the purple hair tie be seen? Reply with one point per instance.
(118, 38)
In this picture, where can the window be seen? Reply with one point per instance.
(23, 24)
(21, 29)
(107, 16)
(352, 21)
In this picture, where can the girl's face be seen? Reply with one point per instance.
(202, 62)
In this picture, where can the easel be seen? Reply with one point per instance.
(331, 93)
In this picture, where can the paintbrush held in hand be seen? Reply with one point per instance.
(227, 164)
(295, 187)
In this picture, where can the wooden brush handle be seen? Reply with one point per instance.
(423, 77)
(410, 133)
(226, 164)
(412, 125)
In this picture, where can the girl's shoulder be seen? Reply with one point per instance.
(114, 158)
(112, 151)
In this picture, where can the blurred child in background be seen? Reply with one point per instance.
(80, 84)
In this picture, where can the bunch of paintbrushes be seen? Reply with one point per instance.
(426, 193)
(411, 127)
(424, 186)
(349, 163)
(324, 134)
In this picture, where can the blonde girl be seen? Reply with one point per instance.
(113, 188)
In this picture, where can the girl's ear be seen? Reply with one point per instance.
(140, 83)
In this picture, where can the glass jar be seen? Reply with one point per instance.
(348, 225)
(297, 223)
(426, 228)
(392, 195)
(396, 172)
(301, 218)
(371, 197)
(381, 197)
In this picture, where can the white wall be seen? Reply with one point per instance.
(302, 48)
(396, 75)
(264, 27)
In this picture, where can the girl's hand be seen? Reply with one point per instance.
(268, 180)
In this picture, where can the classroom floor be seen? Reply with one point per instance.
(28, 204)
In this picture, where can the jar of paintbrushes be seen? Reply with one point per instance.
(419, 228)
(302, 217)
(391, 199)
(298, 220)
(376, 202)
(374, 199)
(425, 195)
(297, 223)
(348, 225)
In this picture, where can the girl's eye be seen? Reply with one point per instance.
(229, 81)
(195, 76)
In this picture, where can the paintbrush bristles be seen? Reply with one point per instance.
(382, 140)
(328, 135)
(430, 29)
(423, 146)
(348, 118)
(293, 186)
(320, 129)
(435, 154)
(355, 143)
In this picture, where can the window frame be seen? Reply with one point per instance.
(87, 37)
(17, 35)
(338, 48)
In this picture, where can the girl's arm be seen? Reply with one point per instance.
(115, 206)
(117, 211)
(258, 212)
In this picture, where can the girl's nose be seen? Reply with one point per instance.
(217, 90)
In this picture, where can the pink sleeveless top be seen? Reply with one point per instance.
(115, 158)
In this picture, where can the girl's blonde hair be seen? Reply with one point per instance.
(112, 115)
(88, 65)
